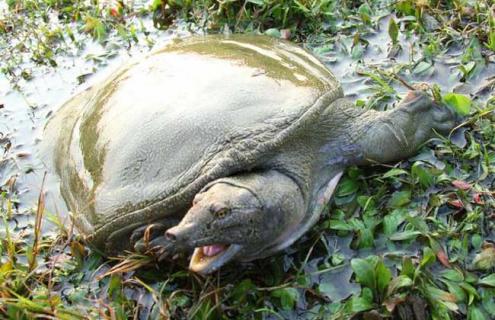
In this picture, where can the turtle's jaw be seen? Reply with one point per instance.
(208, 259)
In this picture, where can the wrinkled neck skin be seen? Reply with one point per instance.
(341, 133)
(284, 208)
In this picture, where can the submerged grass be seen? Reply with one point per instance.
(412, 240)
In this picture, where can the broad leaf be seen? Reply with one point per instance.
(459, 102)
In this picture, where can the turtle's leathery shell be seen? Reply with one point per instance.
(139, 146)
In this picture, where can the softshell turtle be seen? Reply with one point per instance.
(225, 146)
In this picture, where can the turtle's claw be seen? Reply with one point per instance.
(137, 234)
(159, 247)
(445, 119)
(142, 237)
(163, 249)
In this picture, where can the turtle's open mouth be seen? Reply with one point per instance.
(210, 258)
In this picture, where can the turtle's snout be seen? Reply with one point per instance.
(170, 235)
(177, 233)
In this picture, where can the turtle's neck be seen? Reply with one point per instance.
(342, 128)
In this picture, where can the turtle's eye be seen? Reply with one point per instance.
(221, 212)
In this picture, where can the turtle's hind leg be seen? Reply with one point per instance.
(397, 134)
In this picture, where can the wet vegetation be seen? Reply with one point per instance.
(412, 240)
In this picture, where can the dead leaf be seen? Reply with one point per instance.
(461, 185)
(456, 203)
(443, 258)
(392, 302)
(485, 259)
(477, 198)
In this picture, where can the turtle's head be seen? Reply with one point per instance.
(224, 223)
(229, 220)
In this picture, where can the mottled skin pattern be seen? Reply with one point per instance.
(228, 147)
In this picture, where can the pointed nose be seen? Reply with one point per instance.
(178, 233)
(170, 234)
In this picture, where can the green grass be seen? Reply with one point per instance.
(413, 238)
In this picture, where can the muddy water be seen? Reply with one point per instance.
(445, 71)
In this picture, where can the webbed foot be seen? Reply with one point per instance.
(426, 114)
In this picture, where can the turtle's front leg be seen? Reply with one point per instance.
(397, 134)
(150, 239)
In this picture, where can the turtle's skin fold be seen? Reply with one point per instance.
(228, 146)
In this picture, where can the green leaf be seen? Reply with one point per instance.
(401, 281)
(347, 187)
(115, 287)
(287, 296)
(302, 7)
(476, 314)
(392, 221)
(422, 68)
(155, 4)
(488, 280)
(439, 295)
(424, 177)
(399, 199)
(452, 275)
(488, 301)
(428, 257)
(242, 289)
(405, 235)
(418, 223)
(258, 2)
(366, 238)
(395, 172)
(340, 225)
(96, 27)
(362, 303)
(407, 267)
(383, 84)
(470, 290)
(365, 13)
(393, 30)
(365, 271)
(459, 102)
(366, 202)
(476, 241)
(491, 40)
(456, 290)
(383, 277)
(337, 259)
